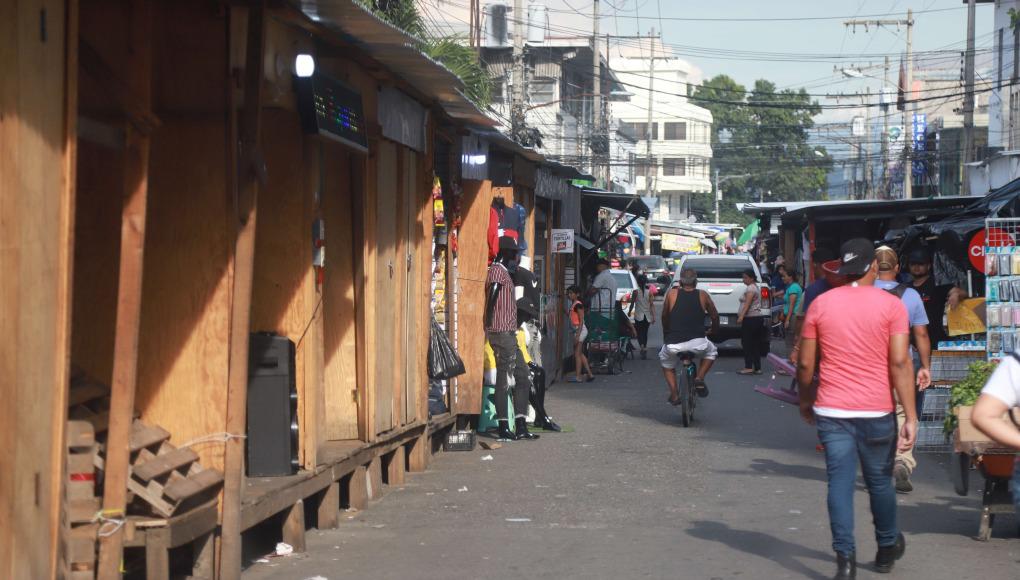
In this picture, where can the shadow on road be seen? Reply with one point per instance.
(951, 516)
(786, 554)
(772, 467)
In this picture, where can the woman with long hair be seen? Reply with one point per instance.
(644, 314)
(752, 324)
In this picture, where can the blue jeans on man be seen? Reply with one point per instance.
(872, 441)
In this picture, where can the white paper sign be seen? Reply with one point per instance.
(562, 241)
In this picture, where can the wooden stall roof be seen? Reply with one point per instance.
(397, 51)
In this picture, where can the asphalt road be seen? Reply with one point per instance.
(632, 494)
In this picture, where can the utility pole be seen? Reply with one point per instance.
(885, 135)
(718, 195)
(596, 110)
(968, 101)
(648, 135)
(909, 106)
(864, 143)
(517, 96)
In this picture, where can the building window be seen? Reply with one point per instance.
(542, 91)
(639, 131)
(674, 166)
(676, 131)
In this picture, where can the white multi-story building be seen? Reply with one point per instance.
(680, 132)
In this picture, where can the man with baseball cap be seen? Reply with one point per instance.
(934, 296)
(888, 269)
(858, 337)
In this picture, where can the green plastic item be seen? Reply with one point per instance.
(487, 418)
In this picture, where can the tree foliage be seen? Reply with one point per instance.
(451, 51)
(762, 136)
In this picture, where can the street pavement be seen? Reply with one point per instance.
(632, 494)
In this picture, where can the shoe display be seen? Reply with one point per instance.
(504, 433)
(901, 475)
(887, 555)
(522, 430)
(846, 566)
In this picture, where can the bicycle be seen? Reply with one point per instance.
(688, 396)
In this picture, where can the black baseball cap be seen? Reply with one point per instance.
(919, 256)
(856, 257)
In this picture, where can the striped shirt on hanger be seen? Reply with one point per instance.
(504, 315)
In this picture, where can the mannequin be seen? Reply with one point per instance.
(527, 313)
(501, 332)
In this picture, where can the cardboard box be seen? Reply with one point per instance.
(967, 432)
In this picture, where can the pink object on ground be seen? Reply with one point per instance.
(788, 395)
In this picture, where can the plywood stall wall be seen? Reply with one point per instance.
(100, 184)
(283, 294)
(37, 125)
(340, 345)
(182, 365)
(472, 267)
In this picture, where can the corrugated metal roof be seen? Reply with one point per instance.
(775, 207)
(396, 50)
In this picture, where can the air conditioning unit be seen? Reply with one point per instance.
(497, 29)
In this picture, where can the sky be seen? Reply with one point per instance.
(811, 51)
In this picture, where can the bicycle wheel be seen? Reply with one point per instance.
(687, 399)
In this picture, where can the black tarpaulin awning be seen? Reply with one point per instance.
(593, 199)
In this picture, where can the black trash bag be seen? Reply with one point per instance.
(444, 362)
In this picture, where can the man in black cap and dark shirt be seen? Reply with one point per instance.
(935, 297)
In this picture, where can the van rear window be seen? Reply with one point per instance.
(709, 268)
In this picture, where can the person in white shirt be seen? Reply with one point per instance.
(603, 289)
(644, 315)
(1000, 396)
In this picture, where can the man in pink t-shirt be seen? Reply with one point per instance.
(860, 336)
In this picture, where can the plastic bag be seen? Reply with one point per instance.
(444, 362)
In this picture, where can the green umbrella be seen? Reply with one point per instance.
(750, 232)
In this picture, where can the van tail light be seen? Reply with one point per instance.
(766, 295)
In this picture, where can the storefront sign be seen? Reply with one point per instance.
(684, 244)
(976, 247)
(562, 241)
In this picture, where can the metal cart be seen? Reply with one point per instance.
(995, 464)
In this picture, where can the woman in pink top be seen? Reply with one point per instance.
(861, 335)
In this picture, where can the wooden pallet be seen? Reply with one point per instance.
(80, 502)
(166, 479)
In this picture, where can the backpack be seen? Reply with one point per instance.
(899, 290)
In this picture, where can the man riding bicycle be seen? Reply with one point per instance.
(683, 330)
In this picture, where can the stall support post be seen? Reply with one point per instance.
(129, 294)
(240, 315)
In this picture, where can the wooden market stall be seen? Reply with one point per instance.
(202, 209)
